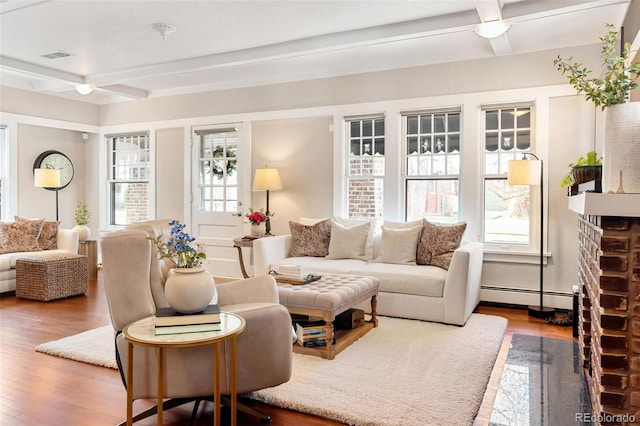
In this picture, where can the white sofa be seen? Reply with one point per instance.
(422, 292)
(67, 242)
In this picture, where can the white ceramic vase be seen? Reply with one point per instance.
(189, 290)
(84, 232)
(621, 159)
(258, 230)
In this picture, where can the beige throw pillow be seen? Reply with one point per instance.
(48, 238)
(20, 236)
(348, 223)
(398, 245)
(310, 240)
(437, 243)
(348, 243)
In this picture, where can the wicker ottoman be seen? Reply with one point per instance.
(50, 277)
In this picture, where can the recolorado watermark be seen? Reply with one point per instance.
(605, 418)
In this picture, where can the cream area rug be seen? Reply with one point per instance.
(403, 372)
(93, 347)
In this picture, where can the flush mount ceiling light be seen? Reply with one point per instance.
(164, 29)
(491, 29)
(85, 89)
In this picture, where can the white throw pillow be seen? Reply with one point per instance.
(348, 243)
(398, 245)
(348, 223)
(310, 221)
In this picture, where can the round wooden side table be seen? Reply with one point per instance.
(142, 333)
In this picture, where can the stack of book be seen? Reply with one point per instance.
(310, 335)
(293, 271)
(168, 321)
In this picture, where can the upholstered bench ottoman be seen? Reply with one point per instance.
(327, 298)
(50, 277)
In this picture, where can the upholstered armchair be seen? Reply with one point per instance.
(133, 279)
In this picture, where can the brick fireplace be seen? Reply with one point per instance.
(609, 279)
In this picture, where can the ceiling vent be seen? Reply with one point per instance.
(56, 55)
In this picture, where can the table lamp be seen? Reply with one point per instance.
(267, 179)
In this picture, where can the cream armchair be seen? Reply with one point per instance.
(134, 282)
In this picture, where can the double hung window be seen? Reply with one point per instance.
(507, 208)
(365, 166)
(217, 170)
(431, 142)
(129, 172)
(4, 170)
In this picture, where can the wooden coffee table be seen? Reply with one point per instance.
(327, 298)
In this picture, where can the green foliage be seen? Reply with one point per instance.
(619, 77)
(82, 213)
(591, 159)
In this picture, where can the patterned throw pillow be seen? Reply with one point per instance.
(48, 239)
(310, 240)
(437, 243)
(20, 236)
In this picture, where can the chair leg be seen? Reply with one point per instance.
(264, 419)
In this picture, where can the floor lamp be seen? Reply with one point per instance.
(530, 172)
(267, 179)
(48, 179)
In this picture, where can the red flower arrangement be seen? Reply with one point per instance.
(257, 217)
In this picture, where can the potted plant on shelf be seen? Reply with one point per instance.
(82, 216)
(585, 169)
(611, 92)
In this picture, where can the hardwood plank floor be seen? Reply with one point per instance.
(39, 389)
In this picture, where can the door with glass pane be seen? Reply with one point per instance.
(217, 187)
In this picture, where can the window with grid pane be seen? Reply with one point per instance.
(129, 168)
(432, 165)
(4, 168)
(507, 136)
(217, 171)
(365, 167)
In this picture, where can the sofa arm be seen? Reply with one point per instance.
(462, 286)
(259, 289)
(67, 239)
(269, 250)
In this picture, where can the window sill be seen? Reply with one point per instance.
(510, 255)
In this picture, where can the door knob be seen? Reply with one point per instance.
(238, 214)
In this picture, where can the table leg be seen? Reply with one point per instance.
(328, 330)
(234, 381)
(244, 271)
(374, 307)
(130, 384)
(160, 384)
(216, 385)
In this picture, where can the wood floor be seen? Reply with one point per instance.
(38, 389)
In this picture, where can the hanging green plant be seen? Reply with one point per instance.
(214, 166)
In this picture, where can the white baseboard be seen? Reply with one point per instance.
(515, 296)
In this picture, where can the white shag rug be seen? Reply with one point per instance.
(403, 372)
(93, 347)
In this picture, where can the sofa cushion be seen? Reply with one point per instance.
(47, 240)
(421, 280)
(437, 243)
(8, 260)
(310, 240)
(322, 264)
(398, 245)
(20, 236)
(348, 242)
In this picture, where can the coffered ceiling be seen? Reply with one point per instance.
(238, 43)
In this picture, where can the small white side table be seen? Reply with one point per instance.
(142, 333)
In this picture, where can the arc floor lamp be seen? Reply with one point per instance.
(530, 172)
(48, 178)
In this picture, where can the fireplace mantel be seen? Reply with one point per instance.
(590, 203)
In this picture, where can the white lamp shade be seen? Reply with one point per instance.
(524, 172)
(46, 178)
(267, 179)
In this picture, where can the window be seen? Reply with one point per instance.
(217, 170)
(507, 135)
(432, 164)
(365, 167)
(129, 169)
(4, 170)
